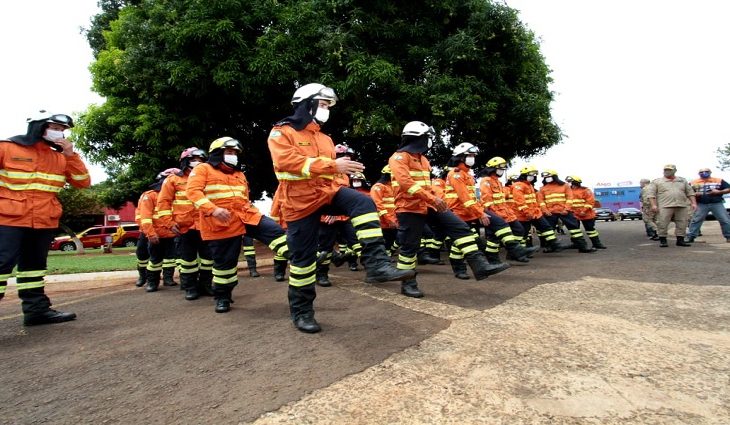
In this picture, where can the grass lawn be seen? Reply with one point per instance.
(94, 260)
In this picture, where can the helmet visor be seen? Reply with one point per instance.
(61, 119)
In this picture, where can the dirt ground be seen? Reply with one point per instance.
(632, 334)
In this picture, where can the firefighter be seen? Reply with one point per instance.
(582, 207)
(382, 195)
(178, 214)
(161, 239)
(416, 204)
(305, 164)
(528, 210)
(142, 252)
(34, 167)
(249, 253)
(555, 198)
(219, 190)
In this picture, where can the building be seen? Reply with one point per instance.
(618, 195)
(115, 217)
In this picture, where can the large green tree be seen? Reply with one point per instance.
(178, 73)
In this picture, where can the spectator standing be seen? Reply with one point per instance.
(647, 214)
(671, 198)
(709, 193)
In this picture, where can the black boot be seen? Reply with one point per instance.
(553, 246)
(189, 284)
(582, 246)
(338, 258)
(481, 268)
(251, 261)
(425, 256)
(663, 242)
(222, 305)
(353, 264)
(459, 268)
(517, 252)
(682, 242)
(142, 279)
(222, 294)
(409, 288)
(378, 267)
(597, 243)
(47, 317)
(307, 324)
(167, 273)
(323, 275)
(153, 280)
(280, 270)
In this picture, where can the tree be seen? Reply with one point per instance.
(80, 206)
(181, 73)
(723, 157)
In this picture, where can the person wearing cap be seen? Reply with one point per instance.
(582, 208)
(34, 168)
(671, 197)
(305, 165)
(709, 192)
(647, 214)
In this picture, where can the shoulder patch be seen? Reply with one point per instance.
(275, 133)
(398, 157)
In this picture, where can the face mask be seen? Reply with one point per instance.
(705, 175)
(500, 173)
(530, 178)
(469, 161)
(231, 159)
(668, 173)
(192, 164)
(53, 135)
(322, 115)
(548, 179)
(356, 184)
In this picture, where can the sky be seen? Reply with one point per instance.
(638, 84)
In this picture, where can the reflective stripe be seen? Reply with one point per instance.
(2, 289)
(503, 232)
(30, 285)
(307, 164)
(413, 189)
(202, 201)
(4, 277)
(32, 273)
(163, 213)
(280, 175)
(364, 218)
(382, 212)
(34, 175)
(406, 263)
(222, 195)
(79, 177)
(182, 202)
(219, 272)
(154, 267)
(376, 232)
(215, 187)
(303, 270)
(31, 186)
(146, 221)
(224, 280)
(420, 174)
(469, 203)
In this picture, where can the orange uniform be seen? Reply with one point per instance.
(555, 198)
(494, 198)
(583, 201)
(275, 213)
(174, 207)
(30, 179)
(210, 188)
(411, 180)
(304, 163)
(384, 198)
(149, 220)
(461, 194)
(525, 198)
(439, 187)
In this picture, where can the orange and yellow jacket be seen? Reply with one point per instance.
(210, 188)
(509, 200)
(411, 180)
(461, 195)
(494, 198)
(304, 164)
(555, 198)
(384, 198)
(275, 212)
(30, 179)
(149, 220)
(525, 198)
(583, 201)
(174, 207)
(439, 187)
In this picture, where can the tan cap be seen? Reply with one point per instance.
(707, 170)
(670, 167)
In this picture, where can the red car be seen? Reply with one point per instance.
(96, 237)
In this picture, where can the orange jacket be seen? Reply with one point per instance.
(30, 179)
(275, 212)
(174, 207)
(384, 199)
(439, 187)
(149, 220)
(555, 198)
(304, 163)
(509, 200)
(494, 198)
(583, 201)
(523, 193)
(210, 188)
(461, 196)
(411, 179)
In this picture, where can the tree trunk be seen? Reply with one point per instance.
(77, 241)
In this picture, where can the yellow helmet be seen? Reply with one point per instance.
(513, 177)
(386, 170)
(497, 162)
(548, 173)
(225, 142)
(528, 169)
(574, 178)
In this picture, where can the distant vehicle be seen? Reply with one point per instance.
(629, 214)
(95, 237)
(604, 214)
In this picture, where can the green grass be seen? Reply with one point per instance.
(93, 260)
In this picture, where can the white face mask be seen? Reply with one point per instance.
(469, 161)
(356, 184)
(322, 115)
(500, 173)
(231, 159)
(548, 179)
(53, 135)
(193, 163)
(530, 178)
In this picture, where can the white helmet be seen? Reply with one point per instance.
(417, 128)
(465, 148)
(314, 91)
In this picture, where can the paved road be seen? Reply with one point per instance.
(633, 334)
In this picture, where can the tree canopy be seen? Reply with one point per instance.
(179, 73)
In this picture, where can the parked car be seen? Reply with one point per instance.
(604, 214)
(629, 214)
(96, 236)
